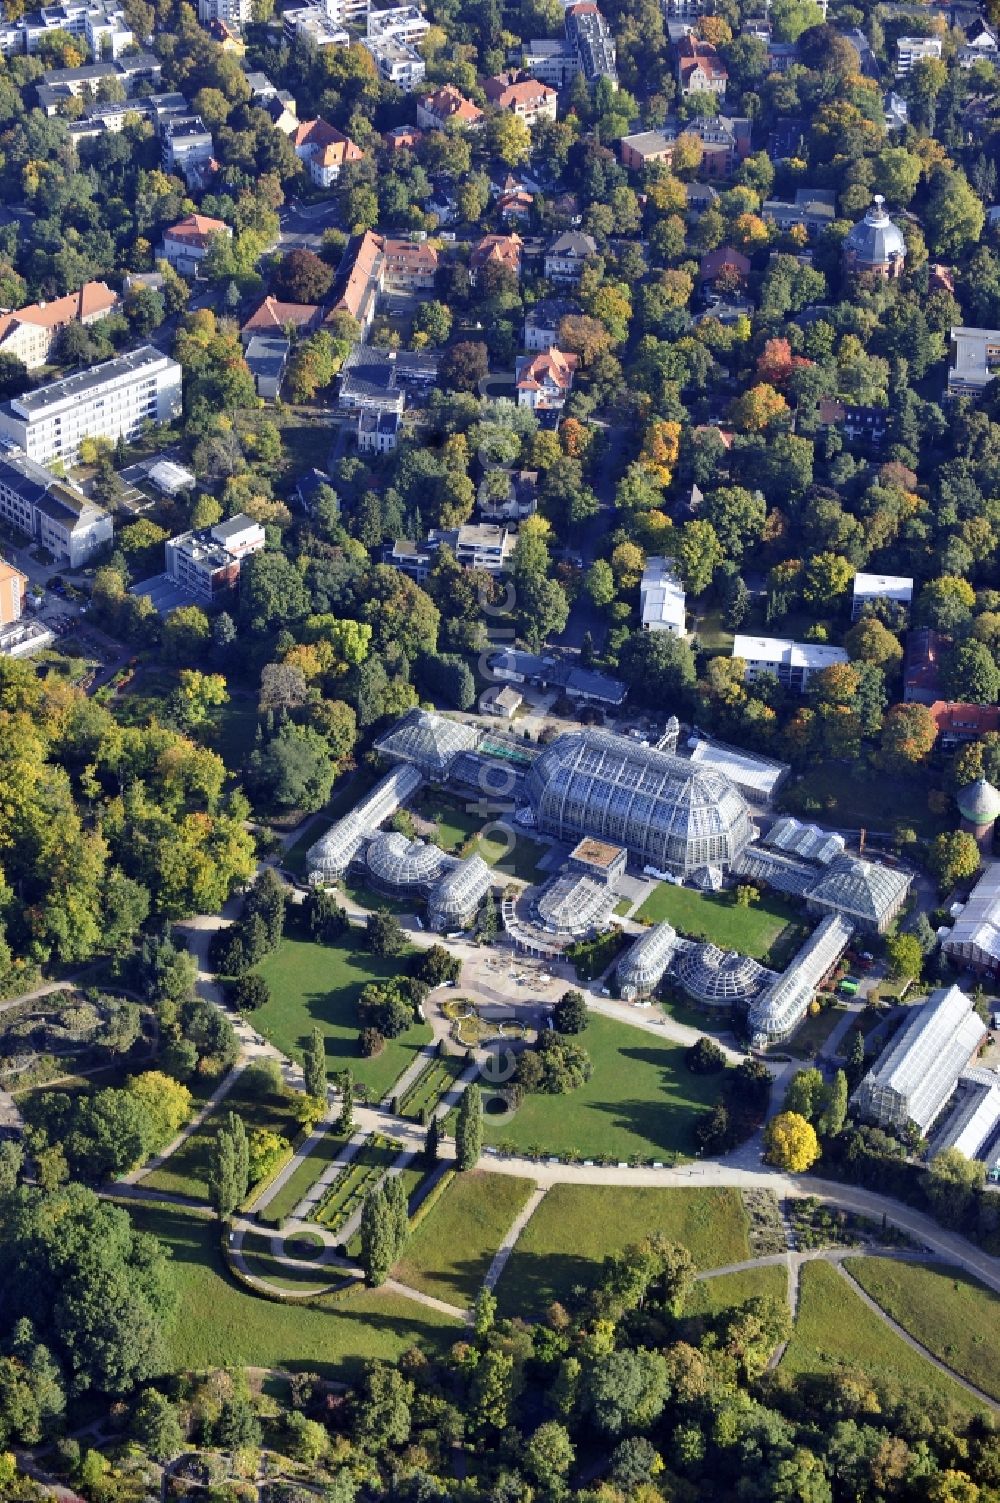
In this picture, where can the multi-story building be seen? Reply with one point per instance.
(324, 149)
(527, 98)
(975, 360)
(186, 244)
(13, 587)
(911, 50)
(188, 148)
(397, 62)
(236, 13)
(103, 25)
(31, 333)
(60, 84)
(312, 24)
(813, 210)
(871, 587)
(497, 250)
(206, 564)
(566, 257)
(662, 598)
(545, 380)
(478, 545)
(699, 68)
(408, 265)
(378, 432)
(916, 1074)
(541, 323)
(404, 23)
(791, 663)
(589, 33)
(52, 512)
(275, 318)
(101, 119)
(725, 142)
(111, 400)
(447, 103)
(555, 62)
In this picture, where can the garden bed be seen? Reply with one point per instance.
(346, 1194)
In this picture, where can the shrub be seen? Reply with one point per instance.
(371, 1042)
(705, 1057)
(247, 993)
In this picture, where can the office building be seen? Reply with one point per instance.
(51, 512)
(206, 564)
(792, 663)
(31, 334)
(112, 400)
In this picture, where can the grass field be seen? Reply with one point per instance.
(304, 1177)
(577, 1226)
(220, 1324)
(713, 1296)
(518, 857)
(944, 1309)
(639, 1100)
(834, 1330)
(769, 930)
(186, 1171)
(261, 1261)
(451, 1250)
(318, 986)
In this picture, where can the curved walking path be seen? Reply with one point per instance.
(503, 1252)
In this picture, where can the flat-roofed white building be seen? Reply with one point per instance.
(661, 597)
(206, 564)
(975, 359)
(910, 50)
(111, 400)
(871, 587)
(792, 663)
(914, 1077)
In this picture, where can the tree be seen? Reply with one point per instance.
(945, 603)
(345, 1122)
(626, 1390)
(834, 1113)
(464, 365)
(759, 408)
(827, 576)
(249, 992)
(699, 553)
(508, 137)
(599, 582)
(229, 1166)
(955, 214)
(302, 277)
(432, 1142)
(156, 1427)
(570, 1013)
(952, 1183)
(791, 1143)
(487, 922)
(952, 857)
(384, 933)
(909, 733)
(398, 1212)
(469, 1129)
(804, 1093)
(658, 667)
(314, 1066)
(905, 955)
(868, 641)
(970, 675)
(549, 1455)
(705, 1057)
(294, 770)
(377, 1237)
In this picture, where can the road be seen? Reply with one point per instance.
(305, 224)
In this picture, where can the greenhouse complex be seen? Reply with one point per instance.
(613, 812)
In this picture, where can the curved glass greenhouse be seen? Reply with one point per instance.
(719, 977)
(455, 900)
(642, 967)
(669, 813)
(400, 865)
(329, 859)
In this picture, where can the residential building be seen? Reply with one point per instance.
(403, 137)
(875, 246)
(958, 723)
(397, 62)
(554, 62)
(227, 37)
(266, 356)
(415, 559)
(478, 545)
(378, 432)
(812, 210)
(646, 146)
(922, 665)
(497, 250)
(377, 379)
(725, 142)
(236, 13)
(187, 148)
(447, 103)
(408, 266)
(31, 333)
(504, 703)
(52, 512)
(974, 940)
(871, 587)
(726, 266)
(566, 257)
(527, 98)
(590, 34)
(541, 323)
(515, 206)
(359, 279)
(60, 84)
(111, 400)
(791, 663)
(109, 119)
(324, 149)
(661, 597)
(981, 42)
(915, 1075)
(312, 24)
(910, 50)
(897, 111)
(102, 25)
(855, 420)
(403, 23)
(13, 588)
(185, 245)
(545, 380)
(519, 500)
(975, 359)
(206, 564)
(275, 318)
(699, 68)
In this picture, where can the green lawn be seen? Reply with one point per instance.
(455, 822)
(768, 930)
(262, 1262)
(186, 1171)
(317, 986)
(944, 1309)
(433, 1082)
(304, 1177)
(451, 1250)
(834, 1331)
(519, 859)
(577, 1226)
(714, 1296)
(690, 1015)
(810, 1037)
(640, 1100)
(221, 1324)
(344, 1195)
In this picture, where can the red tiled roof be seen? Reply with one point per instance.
(551, 365)
(197, 230)
(448, 103)
(712, 264)
(93, 297)
(965, 720)
(505, 249)
(273, 316)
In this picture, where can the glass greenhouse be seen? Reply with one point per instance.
(785, 1003)
(396, 864)
(720, 977)
(455, 900)
(667, 812)
(574, 905)
(866, 892)
(913, 1078)
(430, 742)
(642, 967)
(328, 860)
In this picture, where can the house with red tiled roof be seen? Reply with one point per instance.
(545, 380)
(516, 205)
(700, 68)
(403, 138)
(185, 245)
(957, 723)
(275, 317)
(724, 262)
(447, 103)
(525, 97)
(30, 333)
(324, 149)
(408, 266)
(359, 279)
(497, 250)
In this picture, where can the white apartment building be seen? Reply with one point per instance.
(111, 400)
(236, 13)
(661, 597)
(910, 50)
(187, 147)
(871, 587)
(206, 564)
(103, 26)
(313, 24)
(975, 360)
(403, 23)
(398, 63)
(792, 663)
(52, 512)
